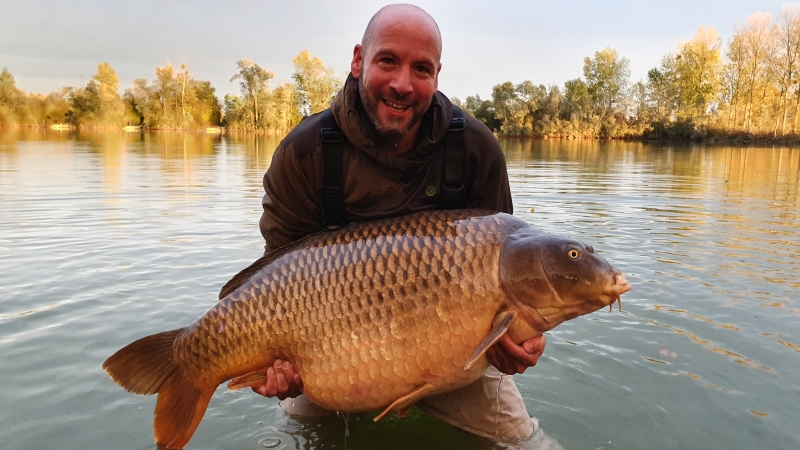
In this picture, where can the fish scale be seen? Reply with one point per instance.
(381, 292)
(375, 315)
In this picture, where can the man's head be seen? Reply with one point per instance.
(397, 67)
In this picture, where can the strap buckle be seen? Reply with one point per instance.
(457, 124)
(331, 136)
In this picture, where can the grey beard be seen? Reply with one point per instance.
(384, 137)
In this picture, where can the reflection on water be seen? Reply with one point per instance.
(110, 236)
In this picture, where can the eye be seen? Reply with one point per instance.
(573, 253)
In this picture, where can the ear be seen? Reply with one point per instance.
(436, 81)
(358, 60)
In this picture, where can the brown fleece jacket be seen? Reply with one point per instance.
(376, 184)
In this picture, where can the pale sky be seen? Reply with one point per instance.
(47, 43)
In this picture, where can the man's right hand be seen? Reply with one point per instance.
(282, 381)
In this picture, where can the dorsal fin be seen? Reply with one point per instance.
(241, 278)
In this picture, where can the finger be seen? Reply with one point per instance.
(288, 371)
(282, 384)
(269, 389)
(503, 362)
(295, 384)
(293, 378)
(516, 353)
(491, 356)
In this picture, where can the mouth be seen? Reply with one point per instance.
(613, 293)
(395, 107)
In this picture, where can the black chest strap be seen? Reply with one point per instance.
(333, 213)
(453, 185)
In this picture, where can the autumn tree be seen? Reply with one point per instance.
(785, 62)
(98, 103)
(316, 84)
(756, 38)
(698, 66)
(174, 100)
(253, 84)
(12, 100)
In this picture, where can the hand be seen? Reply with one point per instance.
(511, 358)
(282, 381)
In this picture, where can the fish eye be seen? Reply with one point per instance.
(573, 253)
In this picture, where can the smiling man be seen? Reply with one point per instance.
(391, 144)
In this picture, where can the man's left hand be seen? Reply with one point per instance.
(511, 358)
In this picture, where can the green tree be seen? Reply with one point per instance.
(577, 104)
(484, 111)
(504, 101)
(607, 77)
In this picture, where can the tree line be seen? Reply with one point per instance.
(749, 85)
(176, 100)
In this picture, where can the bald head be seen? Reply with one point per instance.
(391, 15)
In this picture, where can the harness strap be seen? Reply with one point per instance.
(453, 185)
(333, 213)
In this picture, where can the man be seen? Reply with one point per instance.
(395, 121)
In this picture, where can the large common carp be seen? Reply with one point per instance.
(376, 315)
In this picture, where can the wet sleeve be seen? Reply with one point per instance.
(290, 200)
(486, 169)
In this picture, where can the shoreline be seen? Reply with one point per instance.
(732, 139)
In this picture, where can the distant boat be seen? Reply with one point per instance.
(133, 128)
(214, 130)
(60, 126)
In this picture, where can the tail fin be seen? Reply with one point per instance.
(147, 367)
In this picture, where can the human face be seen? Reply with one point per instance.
(398, 73)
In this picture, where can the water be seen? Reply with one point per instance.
(108, 237)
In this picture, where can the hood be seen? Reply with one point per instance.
(350, 115)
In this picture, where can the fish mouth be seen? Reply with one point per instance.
(614, 290)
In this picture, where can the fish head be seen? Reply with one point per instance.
(550, 279)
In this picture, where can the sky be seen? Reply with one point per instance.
(47, 44)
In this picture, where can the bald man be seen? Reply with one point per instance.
(394, 122)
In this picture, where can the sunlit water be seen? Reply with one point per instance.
(107, 237)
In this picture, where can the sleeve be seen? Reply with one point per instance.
(290, 202)
(486, 176)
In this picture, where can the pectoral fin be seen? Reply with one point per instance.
(252, 379)
(500, 325)
(404, 403)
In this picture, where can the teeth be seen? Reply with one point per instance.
(394, 105)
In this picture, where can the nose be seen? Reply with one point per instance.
(401, 83)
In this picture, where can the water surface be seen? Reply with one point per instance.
(107, 237)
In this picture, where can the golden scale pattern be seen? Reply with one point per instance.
(365, 314)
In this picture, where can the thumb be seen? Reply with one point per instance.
(534, 345)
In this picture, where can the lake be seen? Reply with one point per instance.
(107, 237)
